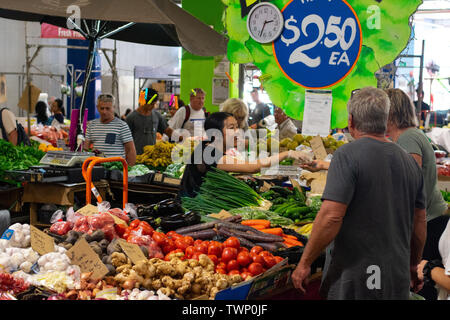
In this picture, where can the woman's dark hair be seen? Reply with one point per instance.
(216, 121)
(41, 112)
(127, 112)
(59, 103)
(181, 103)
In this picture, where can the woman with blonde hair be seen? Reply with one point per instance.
(238, 109)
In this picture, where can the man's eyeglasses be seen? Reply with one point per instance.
(354, 92)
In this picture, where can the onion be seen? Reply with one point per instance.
(128, 284)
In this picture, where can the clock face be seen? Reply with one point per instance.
(265, 22)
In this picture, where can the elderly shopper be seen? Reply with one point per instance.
(402, 129)
(373, 212)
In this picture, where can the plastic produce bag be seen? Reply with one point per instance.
(57, 216)
(104, 206)
(61, 227)
(131, 210)
(119, 213)
(72, 216)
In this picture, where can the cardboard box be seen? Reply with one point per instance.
(160, 87)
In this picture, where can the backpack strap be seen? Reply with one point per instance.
(4, 134)
(187, 116)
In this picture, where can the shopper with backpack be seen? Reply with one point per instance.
(191, 118)
(8, 126)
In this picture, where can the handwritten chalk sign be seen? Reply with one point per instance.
(117, 220)
(41, 242)
(132, 251)
(82, 255)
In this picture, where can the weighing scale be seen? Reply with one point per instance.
(57, 166)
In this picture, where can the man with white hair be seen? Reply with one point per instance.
(109, 134)
(373, 212)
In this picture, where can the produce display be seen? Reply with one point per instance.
(221, 191)
(298, 139)
(48, 147)
(19, 157)
(48, 133)
(446, 196)
(175, 170)
(156, 156)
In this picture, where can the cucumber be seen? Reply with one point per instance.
(282, 191)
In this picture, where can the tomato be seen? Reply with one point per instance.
(232, 242)
(243, 249)
(233, 272)
(278, 259)
(146, 228)
(160, 238)
(222, 265)
(189, 240)
(259, 259)
(202, 248)
(265, 254)
(221, 270)
(244, 259)
(181, 244)
(171, 234)
(196, 255)
(256, 249)
(126, 233)
(134, 223)
(120, 229)
(255, 268)
(245, 275)
(229, 254)
(244, 269)
(214, 259)
(198, 241)
(189, 251)
(232, 265)
(269, 262)
(168, 246)
(215, 249)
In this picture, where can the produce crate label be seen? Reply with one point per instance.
(41, 242)
(82, 255)
(88, 210)
(132, 251)
(318, 148)
(117, 220)
(7, 234)
(173, 181)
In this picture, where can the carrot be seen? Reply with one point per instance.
(289, 236)
(288, 244)
(256, 222)
(258, 227)
(293, 242)
(276, 231)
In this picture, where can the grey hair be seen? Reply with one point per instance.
(369, 108)
(402, 113)
(106, 97)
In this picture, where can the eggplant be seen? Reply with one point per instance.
(177, 221)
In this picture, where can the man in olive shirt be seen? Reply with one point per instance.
(146, 121)
(373, 212)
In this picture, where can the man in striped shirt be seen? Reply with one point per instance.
(109, 134)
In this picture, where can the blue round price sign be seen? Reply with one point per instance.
(320, 44)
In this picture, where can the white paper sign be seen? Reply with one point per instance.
(317, 113)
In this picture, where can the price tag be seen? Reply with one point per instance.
(320, 44)
(7, 234)
(117, 220)
(223, 214)
(158, 177)
(132, 251)
(88, 210)
(82, 255)
(41, 242)
(265, 187)
(318, 148)
(295, 184)
(317, 113)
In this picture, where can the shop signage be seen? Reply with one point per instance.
(320, 44)
(51, 31)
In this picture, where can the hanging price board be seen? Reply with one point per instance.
(320, 44)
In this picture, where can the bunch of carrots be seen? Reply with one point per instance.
(264, 226)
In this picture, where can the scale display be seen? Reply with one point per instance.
(65, 158)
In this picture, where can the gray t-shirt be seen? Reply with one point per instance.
(414, 141)
(144, 128)
(382, 185)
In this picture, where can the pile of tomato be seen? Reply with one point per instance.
(228, 257)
